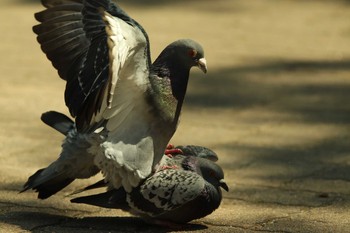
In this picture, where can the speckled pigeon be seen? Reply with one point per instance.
(126, 109)
(182, 189)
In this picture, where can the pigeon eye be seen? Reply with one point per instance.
(192, 53)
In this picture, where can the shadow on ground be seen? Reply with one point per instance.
(312, 177)
(306, 92)
(278, 85)
(38, 222)
(162, 2)
(141, 3)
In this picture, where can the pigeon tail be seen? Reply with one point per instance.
(73, 162)
(46, 186)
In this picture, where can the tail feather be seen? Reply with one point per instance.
(74, 162)
(58, 121)
(48, 181)
(46, 186)
(31, 180)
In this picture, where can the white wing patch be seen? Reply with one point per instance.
(124, 42)
(127, 155)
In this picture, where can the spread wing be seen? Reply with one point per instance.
(93, 44)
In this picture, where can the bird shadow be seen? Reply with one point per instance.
(130, 2)
(48, 222)
(158, 2)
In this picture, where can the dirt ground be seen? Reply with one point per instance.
(274, 106)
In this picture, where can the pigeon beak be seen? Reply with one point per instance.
(202, 64)
(223, 185)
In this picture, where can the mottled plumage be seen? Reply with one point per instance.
(126, 109)
(183, 188)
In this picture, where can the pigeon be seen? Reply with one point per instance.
(126, 108)
(183, 188)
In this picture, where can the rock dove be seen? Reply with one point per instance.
(182, 189)
(126, 109)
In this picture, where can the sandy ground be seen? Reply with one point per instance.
(274, 106)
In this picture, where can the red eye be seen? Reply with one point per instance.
(192, 53)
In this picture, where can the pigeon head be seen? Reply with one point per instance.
(212, 173)
(189, 53)
(175, 62)
(180, 56)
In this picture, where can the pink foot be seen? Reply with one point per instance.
(171, 152)
(168, 167)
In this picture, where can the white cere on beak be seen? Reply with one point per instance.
(202, 64)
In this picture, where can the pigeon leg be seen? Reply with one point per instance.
(168, 167)
(171, 150)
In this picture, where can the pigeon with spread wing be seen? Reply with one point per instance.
(126, 108)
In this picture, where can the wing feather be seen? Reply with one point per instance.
(166, 190)
(128, 69)
(114, 47)
(75, 37)
(103, 54)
